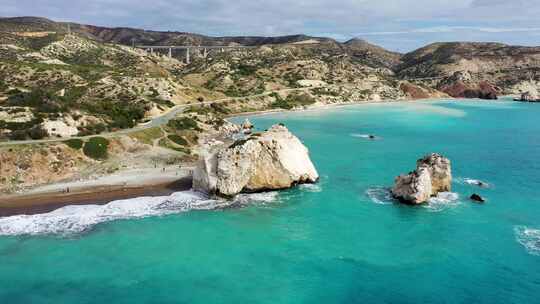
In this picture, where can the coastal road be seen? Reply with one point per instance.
(154, 122)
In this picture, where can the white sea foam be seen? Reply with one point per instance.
(380, 195)
(75, 219)
(529, 238)
(472, 182)
(310, 187)
(443, 201)
(365, 136)
(256, 198)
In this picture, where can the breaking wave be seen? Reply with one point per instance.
(366, 136)
(472, 182)
(76, 219)
(262, 198)
(529, 238)
(443, 201)
(310, 187)
(380, 195)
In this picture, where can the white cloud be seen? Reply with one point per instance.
(426, 19)
(452, 29)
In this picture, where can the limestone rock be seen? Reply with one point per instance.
(247, 125)
(275, 159)
(528, 97)
(433, 175)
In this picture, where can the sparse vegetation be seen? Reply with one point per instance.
(292, 101)
(148, 136)
(184, 123)
(179, 140)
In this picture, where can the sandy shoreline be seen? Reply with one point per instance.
(121, 185)
(335, 105)
(46, 202)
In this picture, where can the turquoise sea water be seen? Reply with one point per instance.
(341, 241)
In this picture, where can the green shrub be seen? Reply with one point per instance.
(293, 100)
(96, 148)
(41, 100)
(179, 140)
(37, 132)
(74, 143)
(163, 102)
(245, 70)
(123, 116)
(183, 123)
(219, 108)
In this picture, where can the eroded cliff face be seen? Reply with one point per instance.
(272, 160)
(432, 176)
(474, 69)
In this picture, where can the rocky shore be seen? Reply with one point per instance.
(271, 160)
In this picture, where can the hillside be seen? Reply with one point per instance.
(151, 108)
(372, 55)
(60, 84)
(500, 68)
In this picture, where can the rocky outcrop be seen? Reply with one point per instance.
(247, 127)
(482, 90)
(433, 175)
(413, 91)
(247, 124)
(272, 160)
(477, 198)
(528, 97)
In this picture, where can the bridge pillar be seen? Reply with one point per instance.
(187, 56)
(170, 52)
(151, 51)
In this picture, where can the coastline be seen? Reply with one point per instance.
(122, 185)
(334, 105)
(361, 102)
(136, 182)
(98, 195)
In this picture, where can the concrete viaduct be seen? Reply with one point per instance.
(188, 48)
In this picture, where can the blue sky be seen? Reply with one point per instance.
(401, 25)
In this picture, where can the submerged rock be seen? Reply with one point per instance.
(432, 176)
(272, 160)
(477, 198)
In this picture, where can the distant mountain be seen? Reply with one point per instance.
(28, 24)
(127, 36)
(475, 69)
(442, 59)
(373, 55)
(458, 68)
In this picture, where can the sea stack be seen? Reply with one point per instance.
(433, 175)
(272, 160)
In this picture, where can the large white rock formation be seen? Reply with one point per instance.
(433, 175)
(275, 159)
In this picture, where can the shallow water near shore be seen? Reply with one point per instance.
(340, 241)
